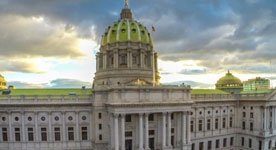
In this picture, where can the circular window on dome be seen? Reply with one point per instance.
(123, 24)
(109, 27)
(29, 118)
(113, 31)
(105, 33)
(56, 118)
(134, 30)
(3, 118)
(140, 25)
(43, 118)
(115, 24)
(123, 30)
(143, 32)
(16, 118)
(83, 117)
(132, 24)
(70, 118)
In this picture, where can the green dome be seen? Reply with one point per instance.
(229, 79)
(126, 30)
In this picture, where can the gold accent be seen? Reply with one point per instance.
(126, 3)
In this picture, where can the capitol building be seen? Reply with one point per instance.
(128, 108)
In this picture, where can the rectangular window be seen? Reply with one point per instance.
(134, 59)
(231, 141)
(251, 126)
(209, 145)
(216, 123)
(84, 135)
(231, 122)
(30, 134)
(100, 137)
(217, 143)
(250, 143)
(193, 146)
(43, 134)
(201, 146)
(100, 126)
(242, 141)
(172, 116)
(200, 125)
(151, 117)
(57, 133)
(100, 115)
(17, 134)
(151, 132)
(129, 133)
(224, 142)
(243, 125)
(71, 133)
(209, 124)
(123, 60)
(260, 145)
(128, 118)
(192, 126)
(223, 122)
(251, 115)
(243, 114)
(5, 134)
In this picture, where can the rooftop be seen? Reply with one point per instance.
(208, 91)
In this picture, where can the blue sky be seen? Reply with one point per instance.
(51, 43)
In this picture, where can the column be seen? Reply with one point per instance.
(147, 131)
(63, 126)
(142, 64)
(77, 127)
(23, 127)
(129, 58)
(50, 127)
(104, 60)
(163, 130)
(188, 117)
(184, 128)
(10, 127)
(116, 132)
(36, 127)
(115, 55)
(122, 131)
(98, 62)
(169, 129)
(141, 131)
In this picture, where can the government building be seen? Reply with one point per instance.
(127, 107)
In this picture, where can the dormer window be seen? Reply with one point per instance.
(123, 30)
(113, 31)
(124, 24)
(134, 30)
(143, 32)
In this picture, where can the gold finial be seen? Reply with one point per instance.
(126, 3)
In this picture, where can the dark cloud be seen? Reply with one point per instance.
(58, 83)
(217, 33)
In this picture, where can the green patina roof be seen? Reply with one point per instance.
(207, 91)
(126, 30)
(49, 91)
(229, 78)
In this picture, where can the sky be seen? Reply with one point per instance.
(52, 44)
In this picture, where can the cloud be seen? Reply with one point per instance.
(58, 83)
(193, 84)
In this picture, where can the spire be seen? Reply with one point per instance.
(126, 12)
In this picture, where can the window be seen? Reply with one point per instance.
(200, 125)
(192, 126)
(201, 144)
(209, 145)
(151, 132)
(43, 134)
(243, 114)
(243, 125)
(193, 146)
(128, 118)
(134, 59)
(223, 122)
(231, 141)
(172, 130)
(71, 133)
(123, 60)
(217, 143)
(251, 115)
(100, 126)
(269, 144)
(242, 141)
(260, 145)
(17, 134)
(57, 133)
(224, 142)
(208, 124)
(129, 133)
(251, 108)
(172, 116)
(249, 143)
(231, 122)
(100, 115)
(251, 126)
(151, 117)
(84, 135)
(100, 137)
(216, 123)
(5, 134)
(30, 134)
